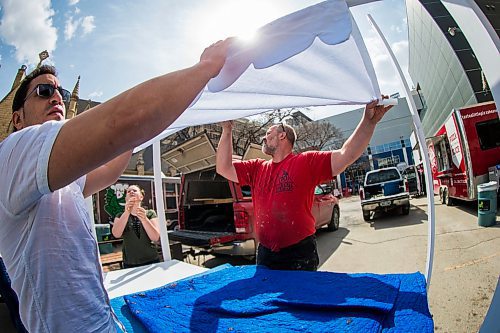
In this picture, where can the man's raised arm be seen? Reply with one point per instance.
(224, 158)
(359, 139)
(105, 175)
(97, 136)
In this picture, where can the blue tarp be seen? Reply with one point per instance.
(253, 298)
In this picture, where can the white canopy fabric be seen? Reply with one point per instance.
(313, 57)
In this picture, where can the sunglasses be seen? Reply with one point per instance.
(283, 129)
(47, 90)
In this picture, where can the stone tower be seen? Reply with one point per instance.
(72, 108)
(6, 105)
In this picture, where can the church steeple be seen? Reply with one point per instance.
(76, 90)
(74, 100)
(21, 73)
(6, 126)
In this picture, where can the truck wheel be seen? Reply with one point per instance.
(250, 258)
(335, 220)
(366, 215)
(406, 209)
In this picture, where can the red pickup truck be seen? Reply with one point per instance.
(217, 215)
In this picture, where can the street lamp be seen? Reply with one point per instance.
(453, 30)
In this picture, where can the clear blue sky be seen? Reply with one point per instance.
(116, 44)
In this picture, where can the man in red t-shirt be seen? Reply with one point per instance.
(283, 188)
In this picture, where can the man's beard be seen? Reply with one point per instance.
(268, 150)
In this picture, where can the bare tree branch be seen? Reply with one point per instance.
(317, 135)
(310, 135)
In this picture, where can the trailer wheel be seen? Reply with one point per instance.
(446, 199)
(335, 220)
(366, 215)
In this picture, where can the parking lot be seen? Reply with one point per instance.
(466, 257)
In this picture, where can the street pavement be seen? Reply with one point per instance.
(466, 265)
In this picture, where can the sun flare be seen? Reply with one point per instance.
(234, 18)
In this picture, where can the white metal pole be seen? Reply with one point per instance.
(405, 155)
(339, 184)
(365, 56)
(160, 206)
(421, 140)
(90, 210)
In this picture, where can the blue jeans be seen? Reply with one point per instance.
(10, 298)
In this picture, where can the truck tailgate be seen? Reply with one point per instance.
(201, 238)
(386, 198)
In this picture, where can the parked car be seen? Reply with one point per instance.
(325, 208)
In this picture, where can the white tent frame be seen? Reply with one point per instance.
(421, 141)
(158, 187)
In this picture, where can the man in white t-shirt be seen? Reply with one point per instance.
(49, 165)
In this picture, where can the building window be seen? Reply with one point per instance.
(489, 134)
(442, 150)
(388, 162)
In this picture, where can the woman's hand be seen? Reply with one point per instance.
(129, 205)
(141, 213)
